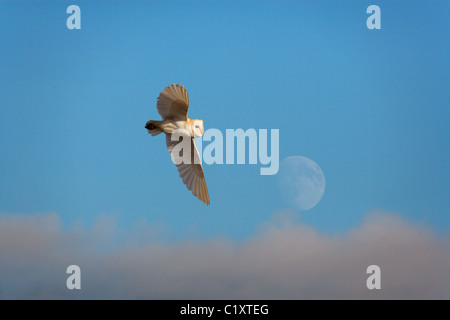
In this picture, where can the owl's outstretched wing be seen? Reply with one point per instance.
(192, 174)
(173, 103)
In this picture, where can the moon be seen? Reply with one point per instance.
(301, 182)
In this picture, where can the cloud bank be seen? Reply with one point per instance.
(282, 260)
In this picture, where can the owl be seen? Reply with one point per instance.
(173, 105)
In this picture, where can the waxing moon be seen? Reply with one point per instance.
(301, 182)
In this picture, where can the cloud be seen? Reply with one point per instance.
(282, 260)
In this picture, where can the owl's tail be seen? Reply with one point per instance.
(153, 127)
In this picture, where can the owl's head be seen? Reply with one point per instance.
(197, 127)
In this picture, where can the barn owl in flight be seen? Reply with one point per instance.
(172, 105)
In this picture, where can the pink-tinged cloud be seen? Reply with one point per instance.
(283, 260)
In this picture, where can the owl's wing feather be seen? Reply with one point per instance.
(173, 103)
(192, 174)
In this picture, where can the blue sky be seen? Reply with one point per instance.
(371, 107)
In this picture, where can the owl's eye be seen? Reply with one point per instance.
(196, 126)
